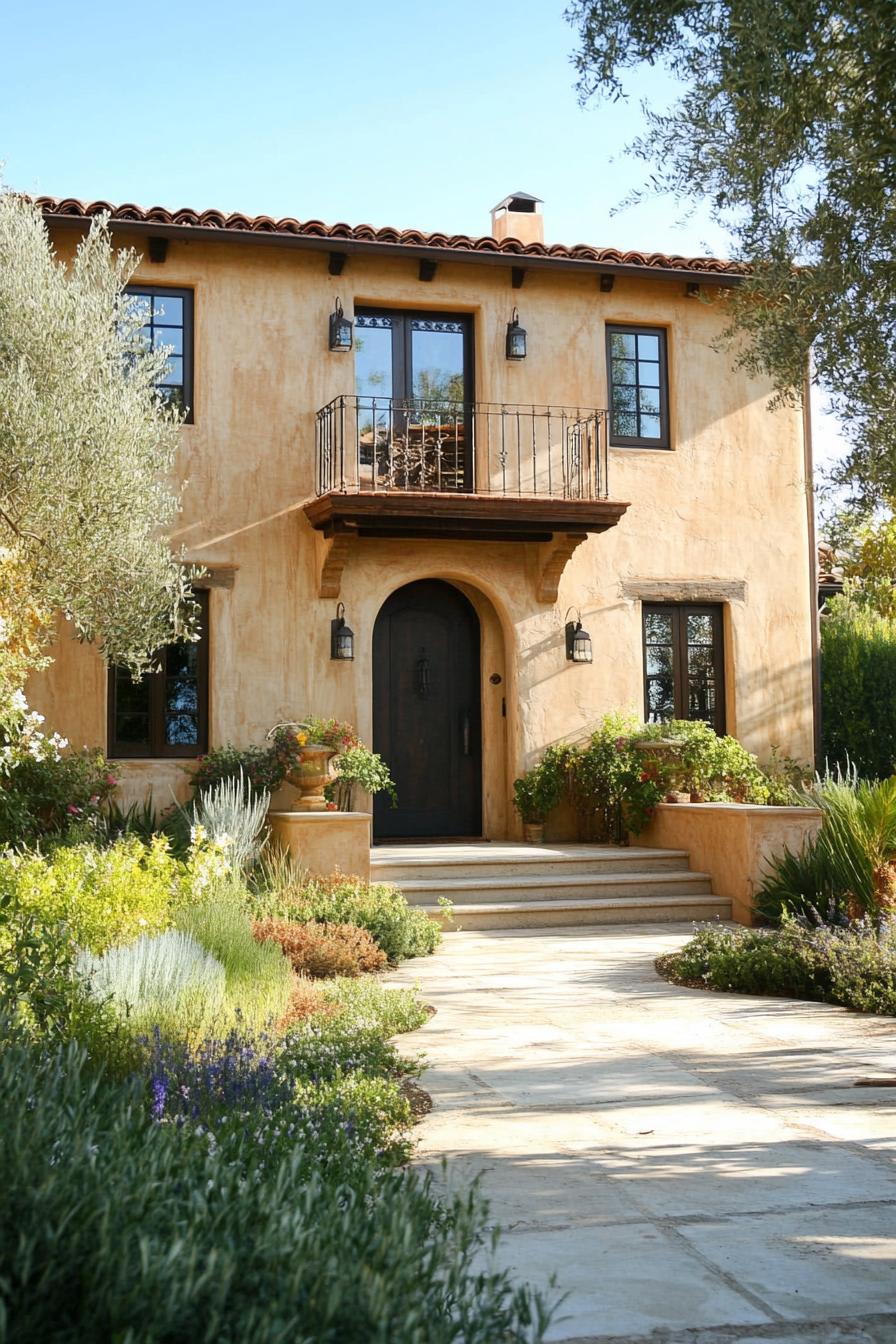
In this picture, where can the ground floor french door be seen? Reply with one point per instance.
(426, 713)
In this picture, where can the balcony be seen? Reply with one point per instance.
(473, 471)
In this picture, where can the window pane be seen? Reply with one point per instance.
(624, 398)
(700, 629)
(181, 660)
(700, 660)
(659, 661)
(660, 704)
(648, 347)
(174, 374)
(132, 729)
(648, 374)
(623, 371)
(139, 306)
(167, 310)
(649, 400)
(622, 345)
(658, 627)
(172, 337)
(131, 696)
(182, 695)
(702, 702)
(650, 427)
(625, 425)
(181, 730)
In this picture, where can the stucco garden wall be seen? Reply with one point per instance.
(725, 508)
(732, 842)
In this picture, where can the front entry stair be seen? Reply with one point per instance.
(514, 886)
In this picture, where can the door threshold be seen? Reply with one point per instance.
(431, 840)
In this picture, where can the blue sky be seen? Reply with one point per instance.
(417, 115)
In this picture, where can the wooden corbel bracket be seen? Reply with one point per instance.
(338, 549)
(553, 557)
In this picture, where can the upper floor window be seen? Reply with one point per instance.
(165, 714)
(167, 320)
(683, 664)
(638, 383)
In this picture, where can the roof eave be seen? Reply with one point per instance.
(355, 246)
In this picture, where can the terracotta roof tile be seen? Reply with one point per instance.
(54, 207)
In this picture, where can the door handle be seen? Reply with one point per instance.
(466, 732)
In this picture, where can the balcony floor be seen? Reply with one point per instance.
(447, 516)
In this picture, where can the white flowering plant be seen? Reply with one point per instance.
(46, 789)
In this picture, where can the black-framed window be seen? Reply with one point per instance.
(167, 320)
(637, 374)
(165, 714)
(684, 665)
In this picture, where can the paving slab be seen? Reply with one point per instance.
(690, 1167)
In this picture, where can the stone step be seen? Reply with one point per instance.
(400, 864)
(558, 914)
(584, 885)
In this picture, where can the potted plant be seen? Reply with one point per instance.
(358, 767)
(535, 794)
(304, 749)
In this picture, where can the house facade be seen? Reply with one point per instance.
(464, 449)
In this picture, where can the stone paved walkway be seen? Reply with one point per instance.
(691, 1166)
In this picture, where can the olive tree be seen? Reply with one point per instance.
(87, 447)
(786, 123)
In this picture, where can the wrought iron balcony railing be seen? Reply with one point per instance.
(387, 444)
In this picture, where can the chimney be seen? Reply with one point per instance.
(518, 216)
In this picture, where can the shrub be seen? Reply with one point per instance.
(858, 679)
(850, 866)
(368, 1002)
(43, 999)
(321, 950)
(285, 891)
(168, 980)
(258, 766)
(258, 979)
(47, 791)
(538, 791)
(104, 896)
(181, 1238)
(853, 966)
(235, 818)
(359, 768)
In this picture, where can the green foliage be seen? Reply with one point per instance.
(103, 896)
(179, 1238)
(86, 451)
(259, 766)
(539, 790)
(166, 981)
(258, 980)
(42, 998)
(362, 768)
(848, 868)
(858, 678)
(854, 967)
(791, 142)
(392, 1011)
(45, 791)
(285, 891)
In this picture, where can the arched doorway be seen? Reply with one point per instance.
(426, 712)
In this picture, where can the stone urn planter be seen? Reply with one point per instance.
(310, 775)
(533, 832)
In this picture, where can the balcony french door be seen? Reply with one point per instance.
(414, 384)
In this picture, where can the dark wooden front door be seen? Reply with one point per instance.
(426, 718)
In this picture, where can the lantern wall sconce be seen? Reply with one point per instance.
(342, 639)
(340, 330)
(516, 338)
(578, 641)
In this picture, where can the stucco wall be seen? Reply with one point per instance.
(726, 504)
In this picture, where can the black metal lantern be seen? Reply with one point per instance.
(340, 329)
(342, 639)
(578, 641)
(516, 338)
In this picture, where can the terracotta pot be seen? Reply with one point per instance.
(309, 776)
(533, 832)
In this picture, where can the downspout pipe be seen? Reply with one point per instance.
(809, 472)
